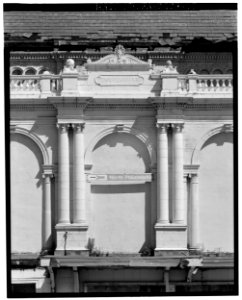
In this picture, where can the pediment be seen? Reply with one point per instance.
(119, 60)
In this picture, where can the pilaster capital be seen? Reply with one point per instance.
(48, 171)
(163, 127)
(194, 178)
(78, 127)
(228, 128)
(190, 170)
(177, 127)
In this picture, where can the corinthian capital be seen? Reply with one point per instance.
(63, 127)
(162, 127)
(78, 127)
(177, 127)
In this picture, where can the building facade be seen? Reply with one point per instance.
(121, 162)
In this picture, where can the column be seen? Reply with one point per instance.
(178, 193)
(79, 199)
(162, 175)
(63, 175)
(185, 198)
(194, 212)
(46, 225)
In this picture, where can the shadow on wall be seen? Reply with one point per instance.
(127, 140)
(219, 139)
(27, 142)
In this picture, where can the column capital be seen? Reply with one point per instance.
(177, 126)
(63, 127)
(79, 127)
(162, 126)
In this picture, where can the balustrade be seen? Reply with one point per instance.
(31, 83)
(214, 83)
(25, 83)
(195, 83)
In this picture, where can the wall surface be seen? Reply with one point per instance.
(215, 193)
(26, 195)
(120, 211)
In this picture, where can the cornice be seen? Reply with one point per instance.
(83, 55)
(120, 106)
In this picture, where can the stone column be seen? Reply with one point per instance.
(178, 193)
(46, 225)
(194, 211)
(185, 198)
(63, 175)
(79, 199)
(162, 175)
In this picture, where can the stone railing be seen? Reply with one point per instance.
(67, 85)
(205, 83)
(24, 83)
(214, 83)
(35, 84)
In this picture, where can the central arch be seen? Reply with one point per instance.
(123, 129)
(120, 217)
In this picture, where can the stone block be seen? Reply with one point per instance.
(171, 237)
(71, 239)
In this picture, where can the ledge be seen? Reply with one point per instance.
(170, 226)
(74, 226)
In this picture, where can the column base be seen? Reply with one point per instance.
(71, 239)
(171, 237)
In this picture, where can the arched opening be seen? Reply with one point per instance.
(17, 71)
(204, 72)
(26, 194)
(217, 71)
(120, 209)
(42, 70)
(30, 71)
(216, 193)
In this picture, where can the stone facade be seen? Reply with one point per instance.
(122, 158)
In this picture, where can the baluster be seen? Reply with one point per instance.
(211, 85)
(230, 84)
(223, 85)
(26, 84)
(21, 84)
(16, 84)
(53, 85)
(33, 84)
(179, 85)
(12, 84)
(217, 84)
(205, 84)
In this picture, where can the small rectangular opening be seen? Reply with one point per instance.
(23, 288)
